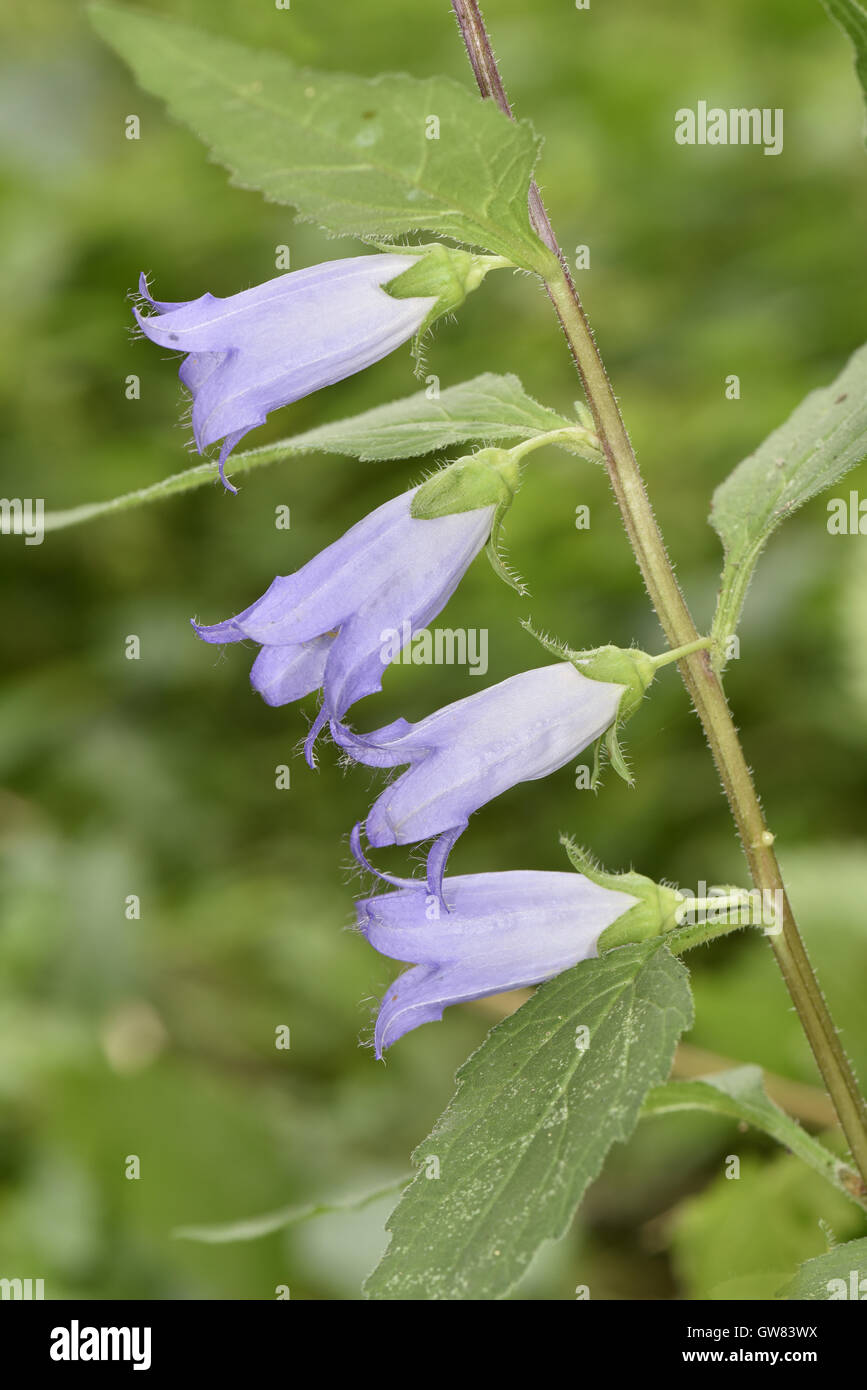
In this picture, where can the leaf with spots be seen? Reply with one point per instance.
(536, 1110)
(379, 157)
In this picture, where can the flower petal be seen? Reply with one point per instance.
(322, 594)
(281, 674)
(270, 345)
(503, 931)
(389, 574)
(423, 573)
(470, 752)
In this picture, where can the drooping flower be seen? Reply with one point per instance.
(338, 621)
(466, 754)
(502, 931)
(265, 347)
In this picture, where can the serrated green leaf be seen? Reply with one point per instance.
(824, 437)
(740, 1094)
(530, 1125)
(349, 153)
(836, 1275)
(852, 19)
(255, 1227)
(487, 408)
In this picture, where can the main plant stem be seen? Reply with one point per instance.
(703, 684)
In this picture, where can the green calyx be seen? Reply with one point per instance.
(488, 478)
(654, 913)
(628, 667)
(491, 477)
(443, 273)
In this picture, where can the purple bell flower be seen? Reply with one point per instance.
(330, 624)
(503, 931)
(270, 345)
(463, 756)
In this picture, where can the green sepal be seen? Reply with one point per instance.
(495, 556)
(551, 645)
(616, 755)
(653, 914)
(443, 273)
(634, 670)
(596, 774)
(488, 478)
(626, 666)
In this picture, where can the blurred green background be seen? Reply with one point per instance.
(156, 777)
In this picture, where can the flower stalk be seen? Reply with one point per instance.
(701, 644)
(699, 676)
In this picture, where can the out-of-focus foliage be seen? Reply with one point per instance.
(156, 777)
(742, 1236)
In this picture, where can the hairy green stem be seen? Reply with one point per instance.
(574, 438)
(678, 653)
(701, 680)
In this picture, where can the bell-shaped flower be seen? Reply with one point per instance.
(466, 754)
(338, 621)
(502, 931)
(260, 349)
